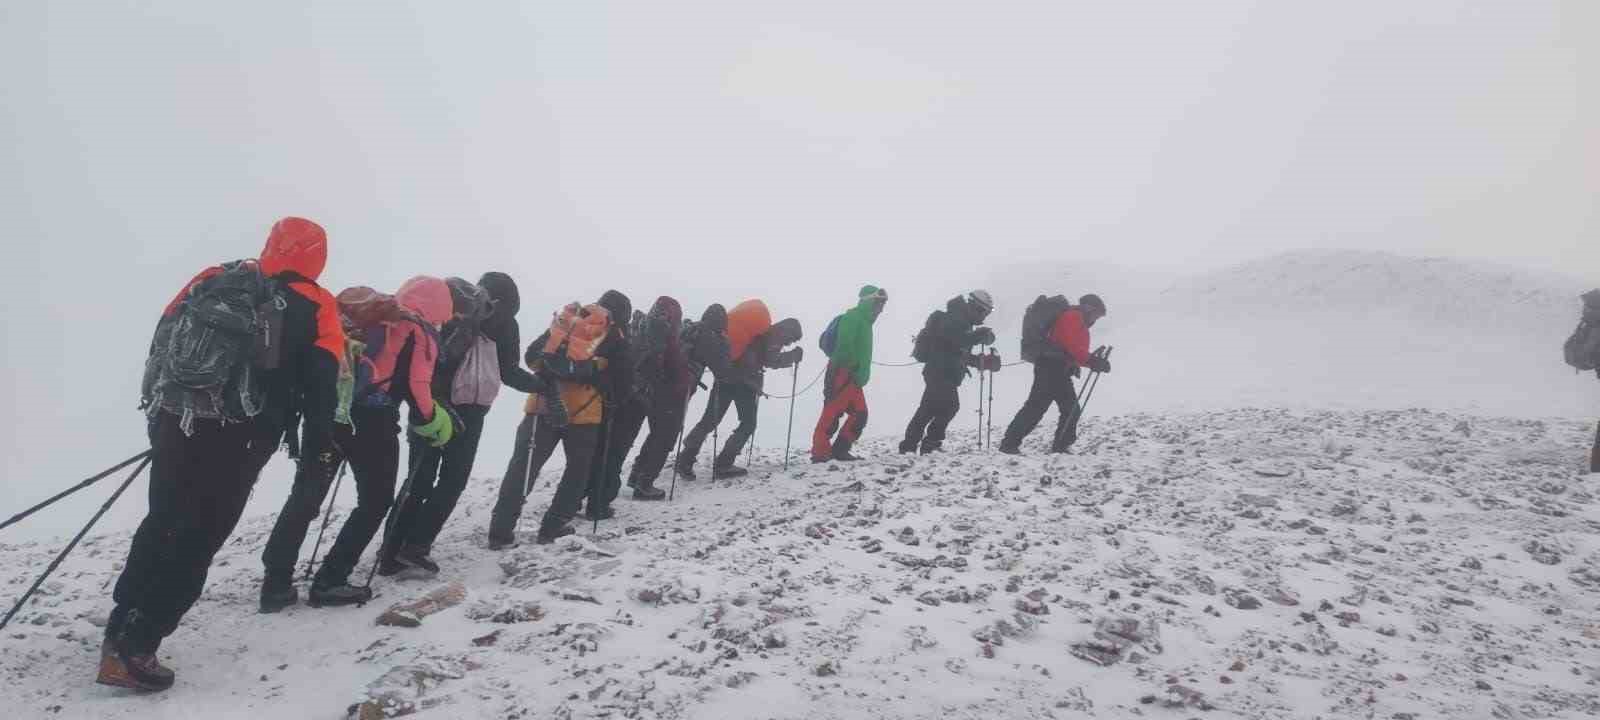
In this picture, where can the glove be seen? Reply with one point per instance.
(983, 336)
(992, 363)
(799, 354)
(439, 430)
(1099, 364)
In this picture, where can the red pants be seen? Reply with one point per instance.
(844, 398)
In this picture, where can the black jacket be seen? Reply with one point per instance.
(950, 336)
(766, 352)
(705, 344)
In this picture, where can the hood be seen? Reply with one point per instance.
(715, 318)
(295, 245)
(667, 311)
(746, 321)
(960, 309)
(785, 332)
(503, 293)
(427, 297)
(871, 300)
(618, 306)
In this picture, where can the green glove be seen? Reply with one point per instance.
(439, 430)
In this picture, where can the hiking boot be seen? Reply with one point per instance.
(818, 460)
(390, 567)
(275, 597)
(728, 472)
(907, 447)
(1010, 449)
(550, 535)
(338, 595)
(593, 514)
(686, 471)
(845, 456)
(500, 543)
(649, 492)
(416, 558)
(141, 671)
(931, 448)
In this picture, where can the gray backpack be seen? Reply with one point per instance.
(208, 356)
(1582, 349)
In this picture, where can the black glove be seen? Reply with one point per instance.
(1099, 364)
(795, 355)
(983, 336)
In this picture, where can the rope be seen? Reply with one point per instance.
(804, 390)
(909, 364)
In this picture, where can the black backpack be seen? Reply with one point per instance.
(1582, 349)
(208, 356)
(1037, 321)
(469, 308)
(922, 343)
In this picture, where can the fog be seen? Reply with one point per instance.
(718, 151)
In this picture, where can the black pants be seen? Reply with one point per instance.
(441, 476)
(312, 480)
(1052, 384)
(744, 398)
(199, 485)
(374, 455)
(578, 441)
(666, 421)
(624, 431)
(941, 400)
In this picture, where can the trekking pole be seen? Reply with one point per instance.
(980, 404)
(19, 517)
(1089, 384)
(144, 462)
(683, 420)
(389, 519)
(988, 427)
(527, 470)
(716, 430)
(327, 515)
(788, 441)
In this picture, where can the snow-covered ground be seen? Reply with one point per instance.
(1246, 563)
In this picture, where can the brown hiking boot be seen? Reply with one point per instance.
(135, 672)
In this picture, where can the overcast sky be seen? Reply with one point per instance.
(718, 150)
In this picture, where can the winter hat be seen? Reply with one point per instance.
(1093, 301)
(981, 299)
(295, 245)
(872, 292)
(619, 306)
(503, 291)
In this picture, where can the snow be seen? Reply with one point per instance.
(1324, 484)
(1393, 560)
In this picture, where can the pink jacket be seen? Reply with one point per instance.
(429, 299)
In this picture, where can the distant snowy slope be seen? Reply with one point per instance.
(1334, 329)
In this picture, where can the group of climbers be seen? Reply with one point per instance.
(254, 353)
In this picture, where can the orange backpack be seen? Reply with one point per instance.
(746, 321)
(581, 328)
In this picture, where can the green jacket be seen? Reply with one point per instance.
(853, 349)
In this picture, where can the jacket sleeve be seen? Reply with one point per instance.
(716, 356)
(423, 356)
(536, 349)
(318, 363)
(507, 339)
(777, 358)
